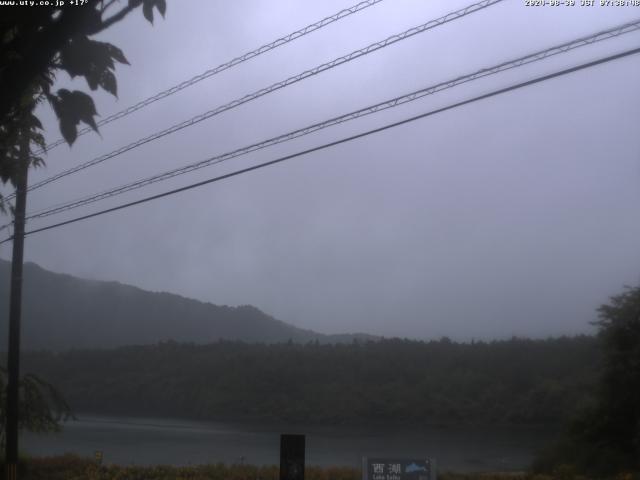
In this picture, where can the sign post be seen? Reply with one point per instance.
(292, 449)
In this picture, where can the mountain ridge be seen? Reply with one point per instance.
(61, 311)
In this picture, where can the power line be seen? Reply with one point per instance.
(225, 66)
(276, 86)
(493, 93)
(394, 102)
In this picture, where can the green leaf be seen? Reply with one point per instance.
(84, 108)
(38, 139)
(69, 130)
(74, 57)
(108, 82)
(161, 5)
(37, 162)
(117, 54)
(94, 60)
(34, 122)
(93, 79)
(147, 10)
(72, 108)
(92, 20)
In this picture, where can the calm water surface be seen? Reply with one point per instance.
(143, 441)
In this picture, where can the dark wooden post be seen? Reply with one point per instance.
(15, 308)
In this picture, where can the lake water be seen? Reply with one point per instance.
(138, 441)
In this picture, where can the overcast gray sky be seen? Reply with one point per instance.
(516, 215)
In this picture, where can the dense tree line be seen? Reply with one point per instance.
(393, 381)
(604, 437)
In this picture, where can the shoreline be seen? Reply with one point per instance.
(262, 423)
(150, 441)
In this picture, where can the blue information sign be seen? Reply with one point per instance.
(375, 468)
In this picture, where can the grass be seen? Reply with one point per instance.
(72, 467)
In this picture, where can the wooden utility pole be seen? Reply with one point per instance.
(15, 307)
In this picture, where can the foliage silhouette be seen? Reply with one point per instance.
(35, 44)
(42, 408)
(604, 437)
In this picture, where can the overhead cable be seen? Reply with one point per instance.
(387, 104)
(225, 66)
(274, 87)
(493, 93)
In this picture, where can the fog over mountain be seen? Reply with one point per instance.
(63, 312)
(515, 215)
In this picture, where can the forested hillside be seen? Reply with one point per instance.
(393, 381)
(62, 312)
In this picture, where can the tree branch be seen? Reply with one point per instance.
(38, 54)
(108, 5)
(116, 17)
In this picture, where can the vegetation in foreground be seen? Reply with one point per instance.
(71, 467)
(604, 437)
